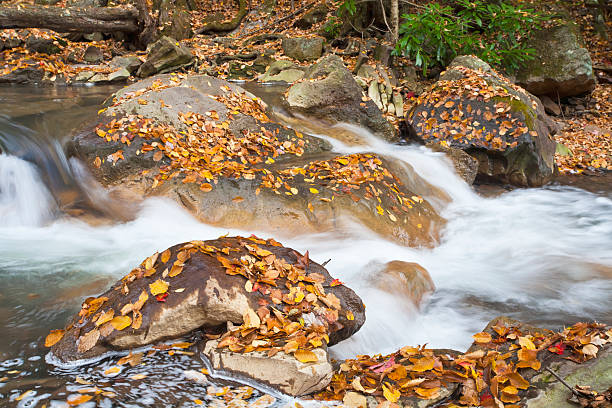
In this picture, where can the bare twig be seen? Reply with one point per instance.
(326, 262)
(576, 393)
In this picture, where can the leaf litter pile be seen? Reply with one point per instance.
(492, 374)
(208, 149)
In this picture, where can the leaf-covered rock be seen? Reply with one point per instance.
(211, 147)
(206, 284)
(475, 109)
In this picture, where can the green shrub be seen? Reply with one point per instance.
(493, 32)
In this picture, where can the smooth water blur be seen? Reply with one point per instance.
(539, 255)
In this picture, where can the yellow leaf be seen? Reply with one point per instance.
(526, 343)
(78, 400)
(350, 315)
(100, 132)
(294, 190)
(391, 394)
(158, 287)
(305, 356)
(379, 210)
(54, 337)
(105, 317)
(314, 190)
(165, 256)
(482, 337)
(112, 370)
(176, 270)
(121, 322)
(310, 207)
(25, 394)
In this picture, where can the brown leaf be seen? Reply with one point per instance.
(88, 340)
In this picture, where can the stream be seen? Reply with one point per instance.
(540, 255)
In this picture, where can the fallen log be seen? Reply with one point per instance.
(69, 20)
(221, 26)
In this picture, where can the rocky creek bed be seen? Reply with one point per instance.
(197, 157)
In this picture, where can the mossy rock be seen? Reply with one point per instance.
(562, 65)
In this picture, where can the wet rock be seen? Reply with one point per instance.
(314, 16)
(165, 55)
(465, 165)
(84, 76)
(29, 73)
(550, 392)
(42, 45)
(130, 63)
(274, 192)
(562, 65)
(408, 278)
(297, 378)
(500, 124)
(93, 55)
(97, 36)
(303, 48)
(333, 95)
(120, 75)
(155, 303)
(282, 71)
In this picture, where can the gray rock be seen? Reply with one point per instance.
(119, 76)
(333, 95)
(131, 63)
(289, 76)
(42, 45)
(165, 55)
(297, 378)
(87, 3)
(506, 130)
(303, 48)
(84, 76)
(562, 65)
(32, 73)
(93, 55)
(314, 16)
(465, 165)
(97, 36)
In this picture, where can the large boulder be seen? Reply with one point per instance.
(297, 378)
(409, 279)
(209, 145)
(465, 165)
(206, 285)
(165, 55)
(303, 48)
(475, 109)
(331, 93)
(562, 65)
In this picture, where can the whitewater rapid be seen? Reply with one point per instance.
(541, 255)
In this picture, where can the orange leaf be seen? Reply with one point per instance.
(54, 337)
(121, 322)
(482, 337)
(306, 356)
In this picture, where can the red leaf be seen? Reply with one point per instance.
(161, 297)
(384, 366)
(336, 282)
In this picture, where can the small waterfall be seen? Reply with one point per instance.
(24, 199)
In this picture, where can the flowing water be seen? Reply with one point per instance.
(540, 255)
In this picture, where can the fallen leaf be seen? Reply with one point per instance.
(306, 356)
(158, 287)
(54, 337)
